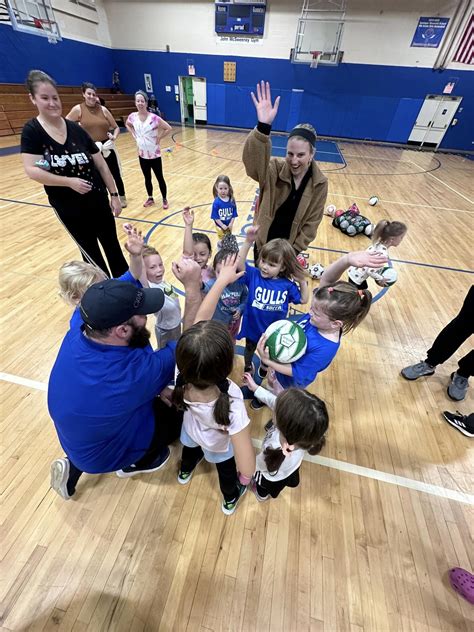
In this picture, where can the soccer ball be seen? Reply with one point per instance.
(390, 275)
(316, 271)
(373, 200)
(286, 341)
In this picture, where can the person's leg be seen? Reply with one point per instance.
(229, 484)
(249, 351)
(466, 365)
(64, 477)
(190, 457)
(463, 423)
(85, 237)
(106, 231)
(113, 165)
(157, 167)
(146, 170)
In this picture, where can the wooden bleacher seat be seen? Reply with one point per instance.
(16, 108)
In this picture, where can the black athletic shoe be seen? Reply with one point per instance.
(262, 372)
(256, 404)
(268, 426)
(157, 464)
(459, 422)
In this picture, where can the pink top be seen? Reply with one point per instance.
(146, 134)
(199, 423)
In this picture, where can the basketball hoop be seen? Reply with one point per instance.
(49, 27)
(316, 56)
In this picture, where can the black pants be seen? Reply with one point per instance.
(168, 423)
(452, 337)
(113, 165)
(249, 351)
(147, 165)
(361, 286)
(227, 471)
(90, 225)
(266, 486)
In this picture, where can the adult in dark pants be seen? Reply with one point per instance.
(293, 190)
(101, 126)
(104, 386)
(447, 342)
(62, 156)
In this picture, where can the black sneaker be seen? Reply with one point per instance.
(458, 421)
(229, 506)
(262, 372)
(185, 477)
(157, 464)
(249, 368)
(256, 404)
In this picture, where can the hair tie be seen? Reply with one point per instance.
(361, 294)
(330, 290)
(180, 380)
(223, 386)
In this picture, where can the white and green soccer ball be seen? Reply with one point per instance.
(286, 341)
(390, 275)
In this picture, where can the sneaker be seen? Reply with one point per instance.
(185, 477)
(262, 372)
(165, 204)
(157, 464)
(459, 421)
(253, 487)
(256, 404)
(268, 426)
(149, 202)
(59, 477)
(458, 386)
(229, 506)
(123, 201)
(249, 368)
(415, 371)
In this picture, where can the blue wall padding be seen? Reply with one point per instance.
(358, 101)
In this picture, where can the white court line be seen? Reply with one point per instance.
(28, 197)
(438, 208)
(385, 477)
(444, 183)
(342, 466)
(186, 175)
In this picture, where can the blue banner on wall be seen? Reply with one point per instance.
(429, 32)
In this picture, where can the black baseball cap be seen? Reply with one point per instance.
(111, 303)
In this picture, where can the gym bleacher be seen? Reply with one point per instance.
(16, 107)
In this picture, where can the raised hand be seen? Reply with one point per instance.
(252, 233)
(364, 259)
(266, 112)
(188, 216)
(228, 273)
(187, 271)
(134, 243)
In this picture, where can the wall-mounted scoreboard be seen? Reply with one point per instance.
(238, 17)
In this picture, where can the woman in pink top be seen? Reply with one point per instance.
(148, 129)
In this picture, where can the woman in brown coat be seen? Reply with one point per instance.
(293, 190)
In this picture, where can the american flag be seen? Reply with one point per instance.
(465, 51)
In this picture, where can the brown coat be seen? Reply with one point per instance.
(274, 178)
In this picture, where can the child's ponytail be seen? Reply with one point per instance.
(177, 396)
(273, 458)
(222, 405)
(386, 229)
(344, 302)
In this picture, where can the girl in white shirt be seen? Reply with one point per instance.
(300, 422)
(215, 422)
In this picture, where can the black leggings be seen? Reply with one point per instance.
(147, 165)
(227, 471)
(452, 337)
(91, 225)
(113, 165)
(168, 423)
(249, 351)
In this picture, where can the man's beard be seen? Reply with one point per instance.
(140, 337)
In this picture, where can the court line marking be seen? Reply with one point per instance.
(439, 208)
(342, 466)
(444, 183)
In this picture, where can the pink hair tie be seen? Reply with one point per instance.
(330, 290)
(361, 294)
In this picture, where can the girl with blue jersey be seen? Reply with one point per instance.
(271, 289)
(224, 209)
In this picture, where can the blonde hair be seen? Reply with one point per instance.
(148, 251)
(75, 277)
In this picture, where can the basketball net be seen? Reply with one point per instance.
(316, 55)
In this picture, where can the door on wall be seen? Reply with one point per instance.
(193, 100)
(433, 120)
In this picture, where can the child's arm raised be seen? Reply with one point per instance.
(250, 238)
(134, 247)
(189, 273)
(188, 217)
(227, 275)
(244, 454)
(358, 259)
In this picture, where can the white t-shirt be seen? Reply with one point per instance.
(292, 460)
(146, 134)
(169, 315)
(358, 275)
(199, 422)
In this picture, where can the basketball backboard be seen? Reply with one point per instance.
(319, 33)
(35, 17)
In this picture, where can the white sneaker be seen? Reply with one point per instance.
(59, 477)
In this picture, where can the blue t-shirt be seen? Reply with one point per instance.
(100, 398)
(223, 211)
(268, 301)
(233, 298)
(318, 356)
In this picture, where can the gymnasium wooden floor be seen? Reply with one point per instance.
(363, 544)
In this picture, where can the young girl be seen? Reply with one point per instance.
(232, 300)
(197, 246)
(337, 307)
(215, 422)
(271, 289)
(224, 209)
(385, 235)
(148, 129)
(300, 422)
(168, 319)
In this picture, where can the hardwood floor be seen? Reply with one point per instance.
(365, 541)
